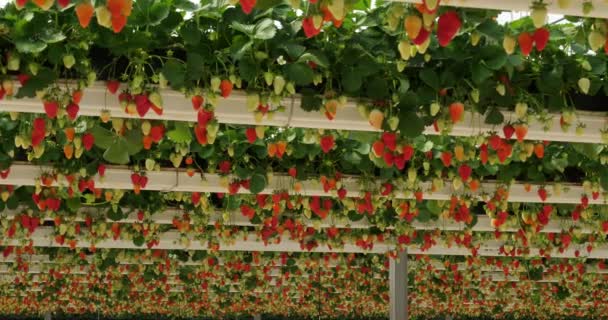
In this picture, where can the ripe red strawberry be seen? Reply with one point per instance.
(293, 172)
(72, 110)
(157, 133)
(456, 111)
(595, 195)
(446, 158)
(378, 148)
(196, 198)
(541, 37)
(135, 178)
(204, 116)
(251, 135)
(101, 170)
(226, 88)
(112, 86)
(390, 140)
(423, 35)
(23, 78)
(508, 131)
(542, 194)
(408, 152)
(143, 181)
(327, 143)
(247, 5)
(389, 158)
(197, 102)
(63, 3)
(4, 173)
(201, 134)
(447, 27)
(526, 43)
(142, 104)
(465, 172)
(342, 193)
(51, 108)
(87, 141)
(605, 226)
(308, 26)
(521, 130)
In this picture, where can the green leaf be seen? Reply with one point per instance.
(491, 29)
(135, 141)
(267, 4)
(480, 73)
(351, 80)
(190, 33)
(115, 215)
(185, 5)
(44, 78)
(158, 12)
(315, 56)
(180, 134)
(248, 29)
(430, 78)
(265, 30)
(118, 152)
(300, 73)
(52, 36)
(30, 46)
(12, 203)
(257, 183)
(494, 116)
(310, 101)
(194, 66)
(104, 138)
(175, 72)
(410, 124)
(424, 215)
(73, 203)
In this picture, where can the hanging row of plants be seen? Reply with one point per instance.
(407, 67)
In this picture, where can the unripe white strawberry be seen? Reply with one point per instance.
(539, 15)
(521, 110)
(596, 40)
(509, 43)
(404, 49)
(584, 84)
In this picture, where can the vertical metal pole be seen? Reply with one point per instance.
(398, 287)
(47, 316)
(257, 317)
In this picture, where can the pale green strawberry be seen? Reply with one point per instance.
(393, 123)
(215, 83)
(13, 62)
(253, 100)
(501, 89)
(475, 95)
(434, 108)
(34, 67)
(268, 78)
(156, 99)
(278, 84)
(291, 89)
(212, 127)
(521, 110)
(584, 84)
(150, 164)
(69, 61)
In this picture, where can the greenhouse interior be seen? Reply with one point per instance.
(304, 159)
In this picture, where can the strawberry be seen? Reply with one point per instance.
(526, 43)
(112, 86)
(542, 194)
(51, 108)
(309, 28)
(584, 84)
(390, 140)
(63, 3)
(539, 150)
(101, 169)
(201, 134)
(376, 118)
(408, 152)
(87, 141)
(456, 111)
(508, 130)
(142, 104)
(20, 4)
(430, 6)
(118, 22)
(77, 96)
(446, 158)
(605, 226)
(412, 25)
(72, 110)
(327, 143)
(135, 178)
(447, 27)
(378, 148)
(84, 13)
(521, 130)
(293, 172)
(465, 172)
(541, 37)
(23, 78)
(508, 43)
(143, 181)
(251, 135)
(539, 15)
(226, 88)
(197, 102)
(423, 36)
(247, 5)
(157, 133)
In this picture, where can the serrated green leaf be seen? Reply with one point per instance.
(265, 30)
(480, 73)
(430, 78)
(257, 183)
(300, 73)
(175, 72)
(494, 116)
(180, 134)
(117, 152)
(158, 12)
(135, 141)
(104, 138)
(351, 80)
(410, 124)
(30, 46)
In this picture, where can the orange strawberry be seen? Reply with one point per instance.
(456, 111)
(77, 96)
(526, 43)
(412, 25)
(539, 150)
(521, 130)
(118, 22)
(226, 88)
(68, 151)
(281, 147)
(69, 134)
(84, 12)
(272, 149)
(147, 142)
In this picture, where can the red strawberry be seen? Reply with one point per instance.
(390, 140)
(251, 135)
(63, 3)
(293, 172)
(456, 111)
(408, 152)
(247, 5)
(72, 110)
(423, 35)
(201, 134)
(51, 108)
(595, 195)
(197, 102)
(226, 88)
(541, 37)
(196, 198)
(465, 172)
(112, 86)
(142, 104)
(204, 116)
(135, 178)
(87, 141)
(526, 43)
(23, 78)
(447, 27)
(101, 170)
(584, 201)
(143, 181)
(389, 158)
(508, 131)
(309, 27)
(605, 226)
(446, 158)
(157, 133)
(542, 193)
(378, 148)
(342, 193)
(4, 173)
(521, 130)
(483, 153)
(327, 143)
